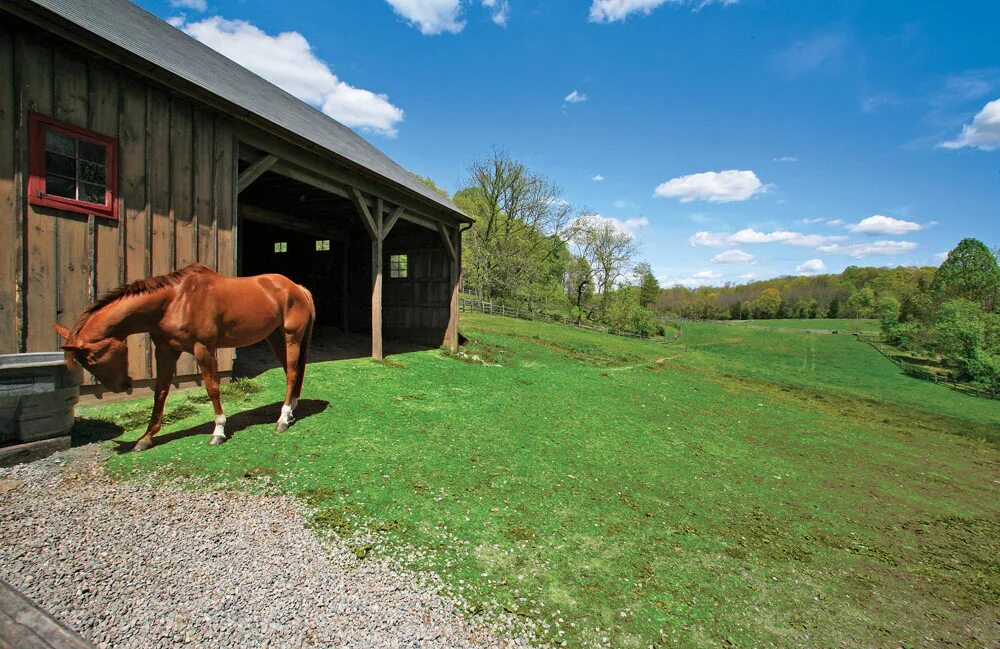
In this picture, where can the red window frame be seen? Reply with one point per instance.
(38, 126)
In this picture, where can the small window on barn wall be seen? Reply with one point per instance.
(397, 266)
(280, 246)
(71, 168)
(322, 245)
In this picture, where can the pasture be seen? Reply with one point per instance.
(737, 487)
(843, 325)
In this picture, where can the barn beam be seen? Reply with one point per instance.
(377, 280)
(255, 171)
(283, 221)
(374, 229)
(391, 221)
(455, 278)
(449, 247)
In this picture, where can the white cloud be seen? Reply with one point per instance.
(858, 250)
(609, 11)
(751, 236)
(176, 21)
(983, 133)
(575, 97)
(598, 178)
(746, 277)
(940, 257)
(734, 256)
(500, 11)
(786, 158)
(878, 224)
(834, 222)
(623, 204)
(712, 186)
(808, 221)
(193, 5)
(810, 267)
(287, 60)
(431, 16)
(707, 274)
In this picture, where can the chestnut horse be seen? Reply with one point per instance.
(194, 310)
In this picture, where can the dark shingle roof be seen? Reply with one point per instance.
(130, 27)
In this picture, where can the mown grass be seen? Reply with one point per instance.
(736, 487)
(843, 325)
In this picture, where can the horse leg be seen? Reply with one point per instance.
(293, 350)
(303, 353)
(209, 365)
(166, 365)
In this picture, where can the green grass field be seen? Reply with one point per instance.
(843, 325)
(737, 487)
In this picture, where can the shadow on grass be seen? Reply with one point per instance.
(235, 423)
(87, 431)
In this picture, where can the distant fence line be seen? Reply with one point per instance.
(919, 372)
(493, 308)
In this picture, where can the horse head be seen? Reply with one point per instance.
(106, 359)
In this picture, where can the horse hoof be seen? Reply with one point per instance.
(142, 445)
(217, 440)
(281, 427)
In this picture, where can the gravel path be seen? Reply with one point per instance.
(129, 566)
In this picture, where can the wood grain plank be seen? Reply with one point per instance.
(10, 209)
(224, 203)
(204, 140)
(158, 184)
(73, 249)
(109, 268)
(134, 206)
(181, 200)
(40, 230)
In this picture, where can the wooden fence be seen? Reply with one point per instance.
(474, 304)
(920, 372)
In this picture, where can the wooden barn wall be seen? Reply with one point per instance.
(176, 185)
(418, 306)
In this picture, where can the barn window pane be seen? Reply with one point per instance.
(91, 172)
(92, 193)
(93, 152)
(60, 143)
(323, 245)
(397, 266)
(59, 186)
(280, 246)
(60, 165)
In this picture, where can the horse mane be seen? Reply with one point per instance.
(138, 287)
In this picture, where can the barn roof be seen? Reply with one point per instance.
(125, 25)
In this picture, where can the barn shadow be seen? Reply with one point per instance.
(328, 344)
(235, 423)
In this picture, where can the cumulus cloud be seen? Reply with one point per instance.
(734, 256)
(431, 16)
(609, 11)
(500, 10)
(878, 224)
(707, 274)
(712, 186)
(858, 250)
(193, 5)
(808, 221)
(983, 133)
(810, 267)
(834, 222)
(598, 178)
(752, 236)
(939, 257)
(288, 61)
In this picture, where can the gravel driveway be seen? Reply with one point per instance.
(129, 566)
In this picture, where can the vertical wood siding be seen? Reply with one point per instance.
(176, 167)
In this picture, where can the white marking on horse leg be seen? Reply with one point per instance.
(286, 415)
(220, 427)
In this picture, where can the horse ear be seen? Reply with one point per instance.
(71, 348)
(61, 330)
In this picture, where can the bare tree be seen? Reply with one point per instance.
(609, 250)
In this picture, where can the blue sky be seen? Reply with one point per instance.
(736, 139)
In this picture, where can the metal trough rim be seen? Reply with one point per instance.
(33, 359)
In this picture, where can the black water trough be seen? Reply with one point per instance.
(38, 394)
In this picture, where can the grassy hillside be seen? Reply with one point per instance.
(737, 487)
(843, 325)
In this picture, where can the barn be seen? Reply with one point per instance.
(128, 149)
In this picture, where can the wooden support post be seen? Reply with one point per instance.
(254, 171)
(391, 221)
(455, 276)
(376, 220)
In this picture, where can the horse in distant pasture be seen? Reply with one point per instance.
(194, 310)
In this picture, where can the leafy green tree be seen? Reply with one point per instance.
(430, 183)
(861, 304)
(959, 330)
(970, 272)
(767, 304)
(649, 286)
